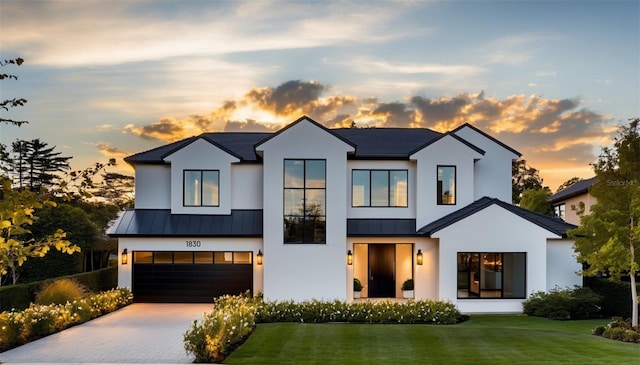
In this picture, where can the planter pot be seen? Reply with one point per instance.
(407, 294)
(356, 294)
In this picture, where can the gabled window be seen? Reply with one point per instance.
(492, 275)
(379, 188)
(446, 188)
(201, 188)
(304, 201)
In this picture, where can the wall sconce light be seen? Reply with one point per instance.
(124, 257)
(259, 257)
(419, 257)
(349, 258)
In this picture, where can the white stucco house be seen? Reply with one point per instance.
(298, 214)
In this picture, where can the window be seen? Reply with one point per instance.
(304, 201)
(379, 188)
(446, 185)
(492, 275)
(558, 211)
(201, 188)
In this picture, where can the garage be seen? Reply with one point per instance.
(190, 277)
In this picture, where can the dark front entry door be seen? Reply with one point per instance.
(382, 271)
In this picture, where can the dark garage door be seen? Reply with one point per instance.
(190, 277)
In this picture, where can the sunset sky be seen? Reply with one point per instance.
(552, 79)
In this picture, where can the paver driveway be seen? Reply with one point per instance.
(138, 333)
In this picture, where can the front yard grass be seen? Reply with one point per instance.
(485, 339)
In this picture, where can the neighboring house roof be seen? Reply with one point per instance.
(579, 188)
(381, 227)
(160, 222)
(551, 224)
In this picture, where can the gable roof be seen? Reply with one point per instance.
(579, 188)
(299, 120)
(454, 136)
(160, 222)
(487, 136)
(554, 225)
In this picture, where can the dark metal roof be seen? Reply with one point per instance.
(381, 227)
(578, 188)
(488, 136)
(160, 222)
(387, 143)
(551, 224)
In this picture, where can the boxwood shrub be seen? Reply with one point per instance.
(563, 304)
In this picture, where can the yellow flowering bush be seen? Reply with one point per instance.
(19, 327)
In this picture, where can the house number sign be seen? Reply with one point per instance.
(193, 243)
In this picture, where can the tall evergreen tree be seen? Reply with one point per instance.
(33, 165)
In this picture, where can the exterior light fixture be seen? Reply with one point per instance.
(419, 257)
(259, 257)
(124, 257)
(349, 258)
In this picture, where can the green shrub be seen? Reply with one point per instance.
(61, 291)
(619, 330)
(357, 285)
(563, 304)
(407, 285)
(617, 294)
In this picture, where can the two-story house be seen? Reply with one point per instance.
(298, 214)
(566, 203)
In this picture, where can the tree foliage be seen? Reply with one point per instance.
(537, 200)
(608, 237)
(17, 244)
(523, 177)
(568, 183)
(14, 102)
(33, 165)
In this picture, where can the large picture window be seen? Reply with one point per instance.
(304, 201)
(492, 275)
(201, 188)
(446, 185)
(379, 188)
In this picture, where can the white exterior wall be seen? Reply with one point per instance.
(153, 187)
(425, 276)
(450, 152)
(383, 212)
(493, 171)
(305, 271)
(562, 266)
(125, 277)
(492, 229)
(246, 186)
(201, 155)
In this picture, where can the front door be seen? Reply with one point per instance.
(382, 271)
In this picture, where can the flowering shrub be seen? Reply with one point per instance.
(217, 334)
(619, 330)
(19, 327)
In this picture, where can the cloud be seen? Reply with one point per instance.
(250, 125)
(375, 65)
(107, 150)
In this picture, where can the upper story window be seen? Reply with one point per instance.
(446, 185)
(201, 188)
(558, 211)
(379, 188)
(304, 201)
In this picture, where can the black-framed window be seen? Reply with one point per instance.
(446, 188)
(304, 201)
(379, 188)
(492, 275)
(201, 188)
(559, 211)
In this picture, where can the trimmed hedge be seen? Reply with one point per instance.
(563, 304)
(617, 296)
(18, 297)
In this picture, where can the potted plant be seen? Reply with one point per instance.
(357, 288)
(407, 288)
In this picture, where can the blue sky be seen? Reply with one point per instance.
(103, 79)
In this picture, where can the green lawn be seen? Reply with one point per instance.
(485, 339)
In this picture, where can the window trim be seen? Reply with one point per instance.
(501, 297)
(388, 189)
(184, 186)
(560, 207)
(304, 189)
(439, 200)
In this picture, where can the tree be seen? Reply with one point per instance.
(523, 177)
(568, 183)
(537, 200)
(16, 241)
(608, 237)
(15, 102)
(32, 165)
(117, 189)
